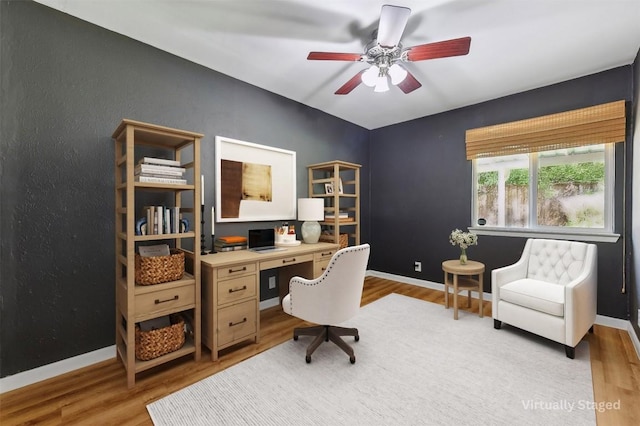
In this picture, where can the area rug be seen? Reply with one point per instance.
(415, 366)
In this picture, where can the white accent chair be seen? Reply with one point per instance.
(551, 291)
(330, 299)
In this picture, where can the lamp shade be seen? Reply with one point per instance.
(310, 209)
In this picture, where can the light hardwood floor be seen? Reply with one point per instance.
(98, 395)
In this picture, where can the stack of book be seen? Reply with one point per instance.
(342, 217)
(230, 243)
(159, 170)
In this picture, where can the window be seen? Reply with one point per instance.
(548, 175)
(573, 189)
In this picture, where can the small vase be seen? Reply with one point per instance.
(463, 257)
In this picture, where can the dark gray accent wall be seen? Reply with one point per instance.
(421, 185)
(66, 85)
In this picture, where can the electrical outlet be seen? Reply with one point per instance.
(272, 283)
(417, 266)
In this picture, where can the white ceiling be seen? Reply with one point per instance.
(516, 45)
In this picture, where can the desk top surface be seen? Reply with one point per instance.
(240, 256)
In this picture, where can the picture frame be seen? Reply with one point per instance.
(328, 188)
(254, 182)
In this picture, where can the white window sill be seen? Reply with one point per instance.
(565, 234)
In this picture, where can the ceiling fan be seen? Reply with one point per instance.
(385, 53)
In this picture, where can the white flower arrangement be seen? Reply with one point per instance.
(463, 239)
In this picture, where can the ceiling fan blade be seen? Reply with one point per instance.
(333, 56)
(441, 49)
(409, 84)
(393, 19)
(351, 84)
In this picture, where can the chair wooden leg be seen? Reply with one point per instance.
(497, 324)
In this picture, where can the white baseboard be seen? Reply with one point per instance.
(418, 282)
(55, 369)
(269, 303)
(70, 364)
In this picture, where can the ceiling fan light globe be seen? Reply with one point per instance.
(382, 84)
(397, 74)
(370, 76)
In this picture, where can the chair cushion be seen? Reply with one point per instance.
(534, 294)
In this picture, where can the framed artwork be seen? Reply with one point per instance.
(254, 182)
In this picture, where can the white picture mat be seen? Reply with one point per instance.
(283, 175)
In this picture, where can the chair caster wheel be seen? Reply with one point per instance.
(357, 338)
(352, 359)
(308, 359)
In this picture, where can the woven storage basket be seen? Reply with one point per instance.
(154, 343)
(159, 269)
(343, 240)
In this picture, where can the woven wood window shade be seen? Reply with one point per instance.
(586, 126)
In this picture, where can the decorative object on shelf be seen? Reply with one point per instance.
(463, 240)
(141, 226)
(310, 210)
(328, 188)
(155, 343)
(159, 269)
(254, 182)
(343, 239)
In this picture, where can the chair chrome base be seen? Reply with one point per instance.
(326, 333)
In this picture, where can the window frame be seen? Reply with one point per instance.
(533, 230)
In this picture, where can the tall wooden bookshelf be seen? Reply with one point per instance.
(338, 183)
(136, 303)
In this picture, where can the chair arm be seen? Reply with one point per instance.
(581, 297)
(505, 275)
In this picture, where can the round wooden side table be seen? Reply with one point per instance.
(462, 278)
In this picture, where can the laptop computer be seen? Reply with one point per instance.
(263, 241)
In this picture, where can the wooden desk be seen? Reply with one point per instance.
(462, 280)
(231, 288)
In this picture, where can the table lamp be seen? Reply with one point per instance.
(310, 210)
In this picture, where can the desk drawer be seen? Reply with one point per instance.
(165, 300)
(235, 271)
(236, 288)
(320, 267)
(237, 322)
(291, 260)
(324, 255)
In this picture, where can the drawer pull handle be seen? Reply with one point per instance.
(326, 254)
(231, 271)
(233, 290)
(158, 301)
(288, 260)
(231, 324)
